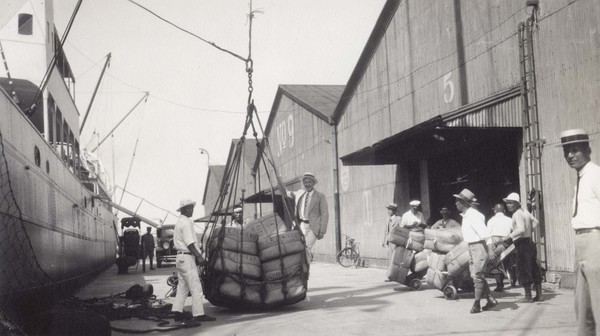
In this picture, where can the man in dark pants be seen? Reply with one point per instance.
(147, 248)
(528, 269)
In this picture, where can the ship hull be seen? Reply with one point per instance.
(55, 235)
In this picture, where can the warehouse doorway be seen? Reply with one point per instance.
(486, 161)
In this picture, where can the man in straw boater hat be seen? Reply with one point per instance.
(586, 223)
(311, 211)
(393, 221)
(187, 261)
(528, 270)
(476, 234)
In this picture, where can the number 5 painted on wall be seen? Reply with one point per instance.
(448, 88)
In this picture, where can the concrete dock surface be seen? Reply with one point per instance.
(357, 301)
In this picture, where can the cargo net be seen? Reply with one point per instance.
(258, 265)
(20, 268)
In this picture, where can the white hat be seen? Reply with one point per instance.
(513, 197)
(185, 202)
(415, 203)
(310, 176)
(573, 136)
(238, 209)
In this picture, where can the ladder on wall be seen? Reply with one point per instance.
(532, 142)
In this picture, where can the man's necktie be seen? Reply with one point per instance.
(576, 194)
(305, 209)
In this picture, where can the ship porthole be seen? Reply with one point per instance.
(36, 156)
(47, 167)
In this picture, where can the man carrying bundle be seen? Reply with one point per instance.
(499, 227)
(476, 234)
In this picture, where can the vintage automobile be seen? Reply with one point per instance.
(165, 251)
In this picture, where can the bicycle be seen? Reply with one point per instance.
(349, 255)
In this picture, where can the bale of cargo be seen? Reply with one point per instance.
(280, 245)
(285, 291)
(234, 286)
(437, 276)
(442, 240)
(457, 260)
(401, 236)
(284, 267)
(421, 263)
(235, 239)
(266, 226)
(232, 262)
(400, 262)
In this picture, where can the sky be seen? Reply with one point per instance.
(197, 94)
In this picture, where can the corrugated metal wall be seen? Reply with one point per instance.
(437, 56)
(302, 142)
(567, 51)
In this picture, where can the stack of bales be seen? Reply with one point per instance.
(408, 243)
(262, 264)
(440, 242)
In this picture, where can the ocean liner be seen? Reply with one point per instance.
(55, 233)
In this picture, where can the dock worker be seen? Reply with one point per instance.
(413, 219)
(187, 261)
(476, 234)
(238, 217)
(392, 221)
(528, 270)
(446, 222)
(499, 226)
(586, 223)
(147, 248)
(311, 211)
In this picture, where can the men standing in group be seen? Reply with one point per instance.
(499, 227)
(413, 219)
(476, 234)
(311, 211)
(446, 222)
(528, 269)
(393, 221)
(188, 259)
(238, 217)
(586, 223)
(147, 248)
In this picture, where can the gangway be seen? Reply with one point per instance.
(127, 211)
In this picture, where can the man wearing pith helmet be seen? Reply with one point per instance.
(311, 211)
(586, 223)
(528, 270)
(187, 262)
